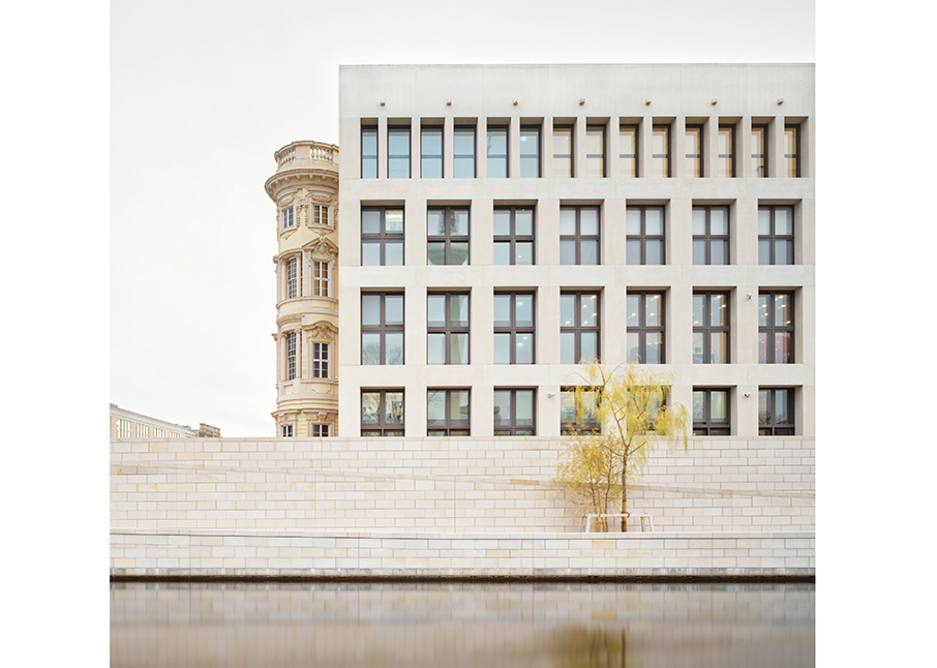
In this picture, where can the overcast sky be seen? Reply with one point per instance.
(203, 93)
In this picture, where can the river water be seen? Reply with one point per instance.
(452, 625)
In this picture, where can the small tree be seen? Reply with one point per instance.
(632, 417)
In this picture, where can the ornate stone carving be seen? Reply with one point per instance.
(322, 249)
(323, 330)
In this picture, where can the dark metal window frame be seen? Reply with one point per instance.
(382, 428)
(383, 328)
(730, 156)
(577, 329)
(795, 156)
(709, 238)
(773, 328)
(448, 237)
(773, 237)
(564, 156)
(400, 129)
(384, 236)
(513, 238)
(665, 127)
(539, 154)
(424, 129)
(601, 156)
(513, 328)
(708, 426)
(448, 328)
(320, 359)
(512, 427)
(698, 129)
(579, 237)
(498, 156)
(769, 427)
(368, 159)
(644, 237)
(462, 156)
(760, 171)
(707, 329)
(633, 157)
(448, 426)
(568, 428)
(643, 329)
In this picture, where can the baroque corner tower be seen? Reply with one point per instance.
(305, 191)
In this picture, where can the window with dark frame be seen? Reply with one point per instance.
(792, 149)
(431, 153)
(644, 327)
(320, 431)
(644, 235)
(448, 412)
(513, 235)
(463, 152)
(579, 411)
(382, 236)
(291, 344)
(628, 150)
(579, 235)
(775, 328)
(382, 413)
(579, 327)
(711, 412)
(447, 236)
(562, 151)
(595, 151)
(398, 152)
(447, 328)
(710, 235)
(775, 235)
(382, 328)
(759, 151)
(710, 328)
(514, 328)
(368, 152)
(515, 412)
(497, 152)
(694, 151)
(660, 151)
(320, 360)
(776, 411)
(726, 139)
(530, 152)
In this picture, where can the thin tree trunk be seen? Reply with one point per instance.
(624, 497)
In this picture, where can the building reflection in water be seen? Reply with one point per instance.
(450, 625)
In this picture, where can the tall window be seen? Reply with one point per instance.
(710, 412)
(398, 153)
(792, 150)
(447, 236)
(628, 150)
(123, 428)
(775, 328)
(514, 412)
(159, 432)
(288, 220)
(776, 411)
(320, 278)
(726, 151)
(595, 151)
(579, 327)
(760, 151)
(447, 328)
(292, 277)
(579, 235)
(291, 343)
(644, 230)
(320, 360)
(514, 328)
(513, 236)
(579, 411)
(320, 214)
(562, 151)
(369, 153)
(644, 336)
(775, 235)
(382, 329)
(660, 151)
(463, 153)
(497, 152)
(431, 153)
(710, 328)
(381, 237)
(143, 430)
(530, 152)
(382, 413)
(694, 151)
(447, 413)
(710, 235)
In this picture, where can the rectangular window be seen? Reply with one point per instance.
(530, 152)
(644, 335)
(320, 278)
(562, 151)
(320, 360)
(382, 329)
(513, 236)
(726, 151)
(759, 151)
(369, 153)
(514, 328)
(382, 413)
(660, 151)
(286, 431)
(159, 432)
(710, 328)
(292, 277)
(710, 235)
(320, 430)
(398, 153)
(514, 412)
(381, 237)
(463, 153)
(694, 151)
(288, 220)
(431, 153)
(143, 431)
(776, 411)
(792, 150)
(497, 152)
(775, 328)
(291, 355)
(644, 235)
(320, 214)
(447, 236)
(579, 327)
(447, 328)
(710, 412)
(628, 151)
(775, 235)
(595, 151)
(579, 235)
(123, 428)
(579, 411)
(448, 413)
